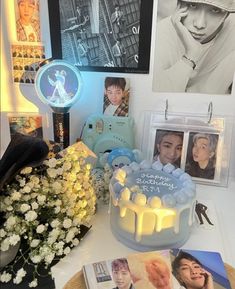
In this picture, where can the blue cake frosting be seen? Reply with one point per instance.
(171, 184)
(151, 205)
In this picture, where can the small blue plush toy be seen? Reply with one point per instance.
(120, 157)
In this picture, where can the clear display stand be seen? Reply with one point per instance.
(197, 143)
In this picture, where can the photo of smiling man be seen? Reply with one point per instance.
(27, 20)
(121, 274)
(116, 96)
(201, 155)
(194, 269)
(168, 147)
(195, 48)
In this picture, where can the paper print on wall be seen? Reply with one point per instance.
(101, 35)
(25, 62)
(194, 54)
(27, 14)
(29, 124)
(116, 96)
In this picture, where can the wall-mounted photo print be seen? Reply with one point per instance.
(195, 45)
(25, 61)
(27, 123)
(116, 96)
(201, 155)
(168, 146)
(27, 20)
(102, 35)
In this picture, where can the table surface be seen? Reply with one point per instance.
(100, 244)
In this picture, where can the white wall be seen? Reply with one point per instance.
(23, 97)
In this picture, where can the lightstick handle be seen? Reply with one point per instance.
(61, 128)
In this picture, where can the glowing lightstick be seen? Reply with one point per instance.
(58, 84)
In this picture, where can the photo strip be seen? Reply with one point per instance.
(26, 59)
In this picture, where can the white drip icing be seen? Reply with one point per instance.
(141, 208)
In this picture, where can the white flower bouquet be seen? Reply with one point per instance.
(101, 179)
(47, 207)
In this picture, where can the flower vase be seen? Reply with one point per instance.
(7, 256)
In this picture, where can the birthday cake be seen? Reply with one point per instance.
(151, 205)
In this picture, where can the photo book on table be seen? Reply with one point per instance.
(166, 269)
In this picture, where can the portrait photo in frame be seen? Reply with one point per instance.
(201, 156)
(204, 149)
(168, 146)
(102, 35)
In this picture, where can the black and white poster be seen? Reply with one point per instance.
(195, 47)
(102, 35)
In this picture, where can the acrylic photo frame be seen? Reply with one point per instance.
(87, 35)
(216, 133)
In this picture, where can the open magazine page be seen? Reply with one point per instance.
(151, 270)
(99, 275)
(147, 270)
(205, 268)
(167, 269)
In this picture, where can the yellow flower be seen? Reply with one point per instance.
(26, 170)
(77, 186)
(70, 150)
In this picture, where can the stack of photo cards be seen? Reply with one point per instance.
(154, 269)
